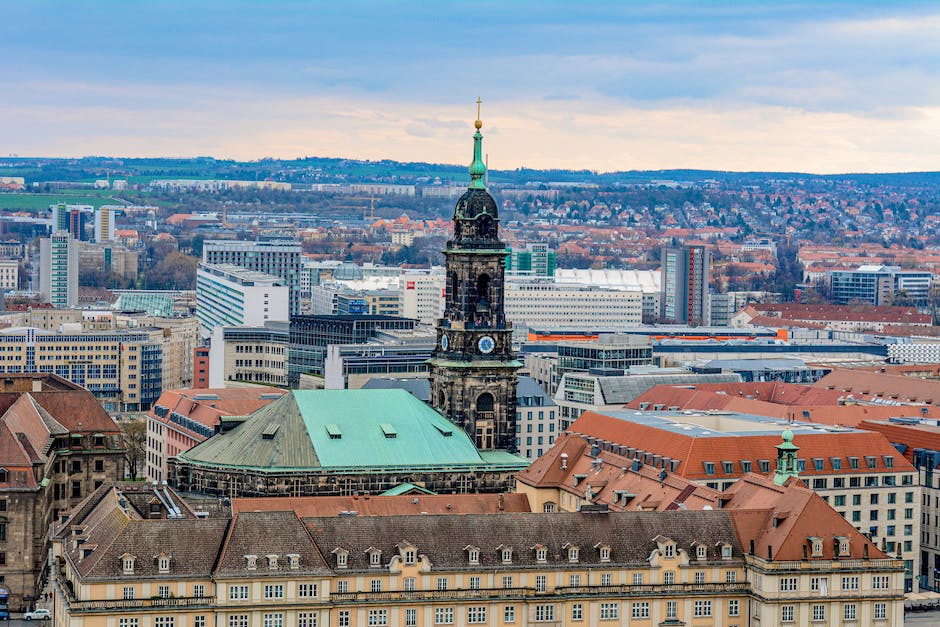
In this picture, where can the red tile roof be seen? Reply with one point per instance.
(869, 385)
(208, 411)
(692, 452)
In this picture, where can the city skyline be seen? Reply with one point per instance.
(823, 88)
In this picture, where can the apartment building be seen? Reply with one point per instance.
(9, 274)
(698, 568)
(229, 295)
(859, 473)
(58, 270)
(275, 257)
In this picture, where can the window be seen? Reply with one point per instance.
(237, 593)
(640, 610)
(274, 591)
(163, 592)
(700, 577)
(199, 590)
(573, 554)
(731, 576)
(342, 618)
(709, 468)
(476, 614)
(839, 500)
(546, 613)
(605, 579)
(819, 584)
(164, 621)
(306, 590)
(238, 620)
(375, 558)
(669, 550)
(275, 619)
(507, 581)
(474, 583)
(610, 611)
(474, 556)
(850, 583)
(127, 563)
(128, 622)
(409, 584)
(341, 559)
(669, 577)
(702, 608)
(881, 611)
(199, 621)
(819, 612)
(375, 585)
(605, 554)
(411, 617)
(787, 584)
(672, 609)
(879, 582)
(378, 618)
(574, 581)
(506, 556)
(342, 586)
(442, 583)
(509, 613)
(577, 611)
(409, 557)
(701, 552)
(848, 611)
(127, 592)
(309, 619)
(541, 554)
(786, 613)
(734, 607)
(540, 583)
(443, 616)
(637, 579)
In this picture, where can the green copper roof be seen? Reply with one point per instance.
(337, 429)
(477, 167)
(406, 488)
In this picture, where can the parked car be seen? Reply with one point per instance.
(37, 614)
(4, 614)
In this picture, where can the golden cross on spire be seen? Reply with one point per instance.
(479, 122)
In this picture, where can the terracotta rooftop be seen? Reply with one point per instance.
(207, 406)
(860, 313)
(720, 457)
(312, 506)
(886, 387)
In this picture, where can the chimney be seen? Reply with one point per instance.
(751, 547)
(865, 551)
(37, 385)
(770, 553)
(564, 461)
(501, 503)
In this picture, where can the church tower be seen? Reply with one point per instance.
(473, 369)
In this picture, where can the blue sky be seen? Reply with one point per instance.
(812, 86)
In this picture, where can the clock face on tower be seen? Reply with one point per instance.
(486, 345)
(444, 342)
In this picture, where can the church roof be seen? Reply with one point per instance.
(345, 429)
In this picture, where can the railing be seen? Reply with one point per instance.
(836, 564)
(482, 594)
(136, 604)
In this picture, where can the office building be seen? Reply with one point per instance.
(157, 565)
(182, 418)
(859, 473)
(391, 353)
(532, 259)
(58, 270)
(311, 335)
(9, 274)
(104, 224)
(548, 304)
(249, 355)
(279, 258)
(423, 294)
(880, 285)
(229, 295)
(58, 445)
(609, 351)
(685, 278)
(340, 442)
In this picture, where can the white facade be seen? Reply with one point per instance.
(104, 224)
(228, 295)
(550, 305)
(58, 270)
(926, 353)
(423, 295)
(9, 274)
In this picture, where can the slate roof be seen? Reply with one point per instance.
(316, 506)
(337, 429)
(261, 534)
(444, 539)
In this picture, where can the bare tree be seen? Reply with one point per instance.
(134, 431)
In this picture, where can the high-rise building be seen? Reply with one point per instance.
(278, 257)
(473, 368)
(228, 295)
(104, 224)
(533, 259)
(58, 270)
(77, 219)
(685, 275)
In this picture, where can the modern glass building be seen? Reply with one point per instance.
(280, 258)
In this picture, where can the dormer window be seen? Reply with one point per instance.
(163, 563)
(272, 562)
(251, 562)
(604, 552)
(293, 560)
(342, 557)
(541, 554)
(473, 554)
(375, 557)
(127, 564)
(505, 555)
(572, 554)
(725, 551)
(409, 557)
(701, 552)
(842, 546)
(816, 547)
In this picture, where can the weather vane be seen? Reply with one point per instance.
(479, 122)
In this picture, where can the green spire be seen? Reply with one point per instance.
(477, 168)
(786, 458)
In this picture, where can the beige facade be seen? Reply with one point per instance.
(9, 274)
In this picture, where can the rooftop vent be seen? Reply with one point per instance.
(270, 431)
(388, 430)
(333, 430)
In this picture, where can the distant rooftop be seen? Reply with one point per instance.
(720, 424)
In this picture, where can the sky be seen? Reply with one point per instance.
(808, 86)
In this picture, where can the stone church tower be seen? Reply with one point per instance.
(473, 369)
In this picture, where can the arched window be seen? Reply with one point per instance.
(485, 402)
(441, 400)
(483, 292)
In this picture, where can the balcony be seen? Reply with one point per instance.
(139, 604)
